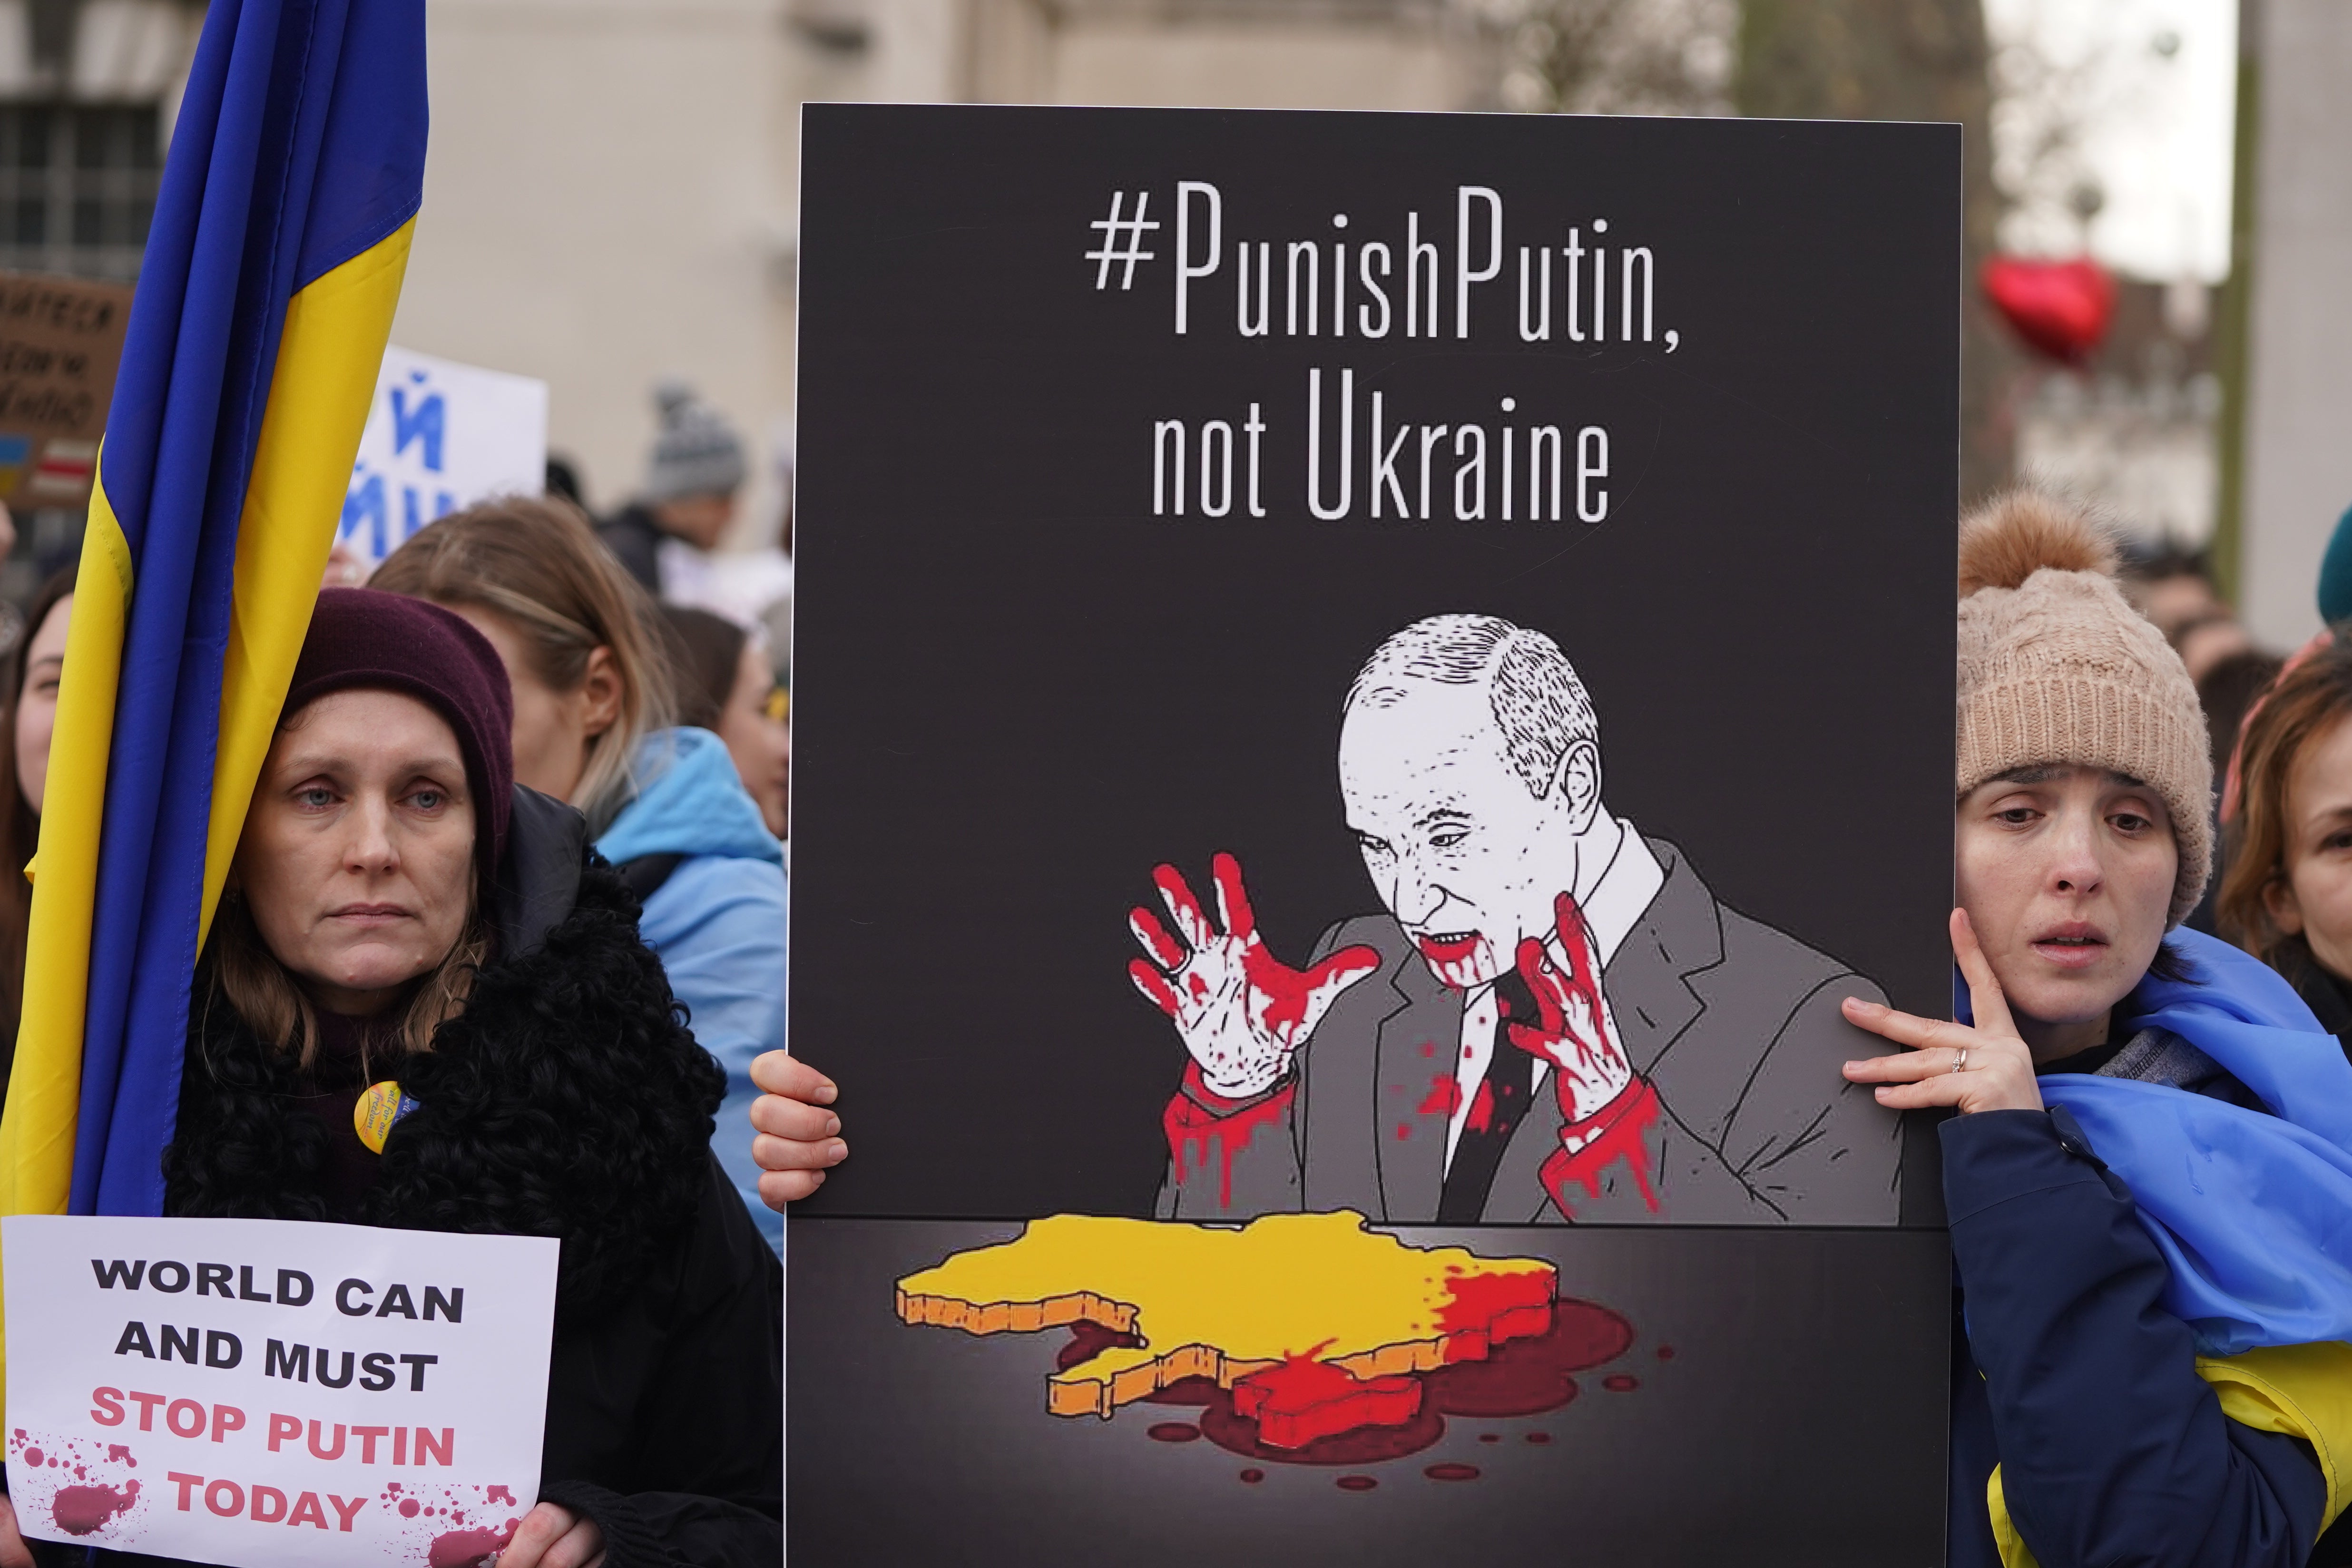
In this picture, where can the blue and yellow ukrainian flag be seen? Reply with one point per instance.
(280, 237)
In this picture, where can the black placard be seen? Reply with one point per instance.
(1093, 550)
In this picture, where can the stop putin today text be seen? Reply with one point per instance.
(357, 1444)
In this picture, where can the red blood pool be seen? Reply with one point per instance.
(408, 1508)
(1451, 1472)
(1490, 1436)
(1538, 1437)
(1531, 1374)
(1188, 1391)
(1620, 1383)
(1364, 1446)
(33, 1457)
(1303, 1399)
(1252, 1478)
(465, 1548)
(78, 1511)
(1088, 1340)
(1357, 1483)
(1175, 1432)
(1665, 1352)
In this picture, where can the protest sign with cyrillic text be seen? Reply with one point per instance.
(261, 1392)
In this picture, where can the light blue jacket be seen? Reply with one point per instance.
(717, 923)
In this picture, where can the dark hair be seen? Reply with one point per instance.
(706, 651)
(2227, 692)
(20, 824)
(2303, 707)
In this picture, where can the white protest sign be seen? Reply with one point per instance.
(264, 1392)
(440, 435)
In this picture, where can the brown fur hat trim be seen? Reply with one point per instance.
(2012, 536)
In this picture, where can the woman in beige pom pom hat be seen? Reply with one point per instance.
(2150, 1175)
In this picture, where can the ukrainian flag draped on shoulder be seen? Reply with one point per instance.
(280, 240)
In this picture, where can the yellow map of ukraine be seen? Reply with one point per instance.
(1225, 1303)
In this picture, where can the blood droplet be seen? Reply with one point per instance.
(1252, 1478)
(1665, 1352)
(1450, 1473)
(1357, 1483)
(1621, 1135)
(1173, 1432)
(33, 1458)
(408, 1507)
(1621, 1383)
(78, 1510)
(465, 1548)
(1195, 1131)
(1538, 1437)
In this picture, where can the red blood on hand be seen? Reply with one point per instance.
(1241, 1011)
(1571, 1030)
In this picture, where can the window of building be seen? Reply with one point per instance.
(78, 185)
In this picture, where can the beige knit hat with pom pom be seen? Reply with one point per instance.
(2056, 668)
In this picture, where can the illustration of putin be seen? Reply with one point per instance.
(1554, 1020)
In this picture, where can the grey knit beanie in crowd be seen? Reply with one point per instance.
(697, 453)
(2056, 668)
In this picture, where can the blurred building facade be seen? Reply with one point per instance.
(2297, 429)
(2132, 430)
(612, 196)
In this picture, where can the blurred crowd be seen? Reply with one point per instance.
(516, 867)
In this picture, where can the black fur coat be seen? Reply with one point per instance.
(568, 1099)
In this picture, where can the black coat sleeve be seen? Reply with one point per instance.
(665, 1423)
(2113, 1450)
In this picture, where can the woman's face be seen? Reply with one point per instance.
(358, 856)
(37, 705)
(2314, 896)
(761, 745)
(2067, 874)
(551, 728)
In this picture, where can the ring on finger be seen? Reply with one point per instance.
(1960, 1062)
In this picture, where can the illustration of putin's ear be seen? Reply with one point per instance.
(1579, 782)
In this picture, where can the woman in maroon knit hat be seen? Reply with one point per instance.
(399, 910)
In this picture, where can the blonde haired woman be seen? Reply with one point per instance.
(592, 706)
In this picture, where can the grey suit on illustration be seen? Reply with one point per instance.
(1736, 1026)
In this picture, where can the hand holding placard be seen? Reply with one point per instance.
(223, 1389)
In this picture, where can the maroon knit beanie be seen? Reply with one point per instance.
(363, 639)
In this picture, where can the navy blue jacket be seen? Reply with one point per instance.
(2068, 1373)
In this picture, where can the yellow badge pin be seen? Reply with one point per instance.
(380, 1106)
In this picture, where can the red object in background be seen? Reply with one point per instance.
(2062, 308)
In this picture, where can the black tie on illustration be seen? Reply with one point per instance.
(1496, 1110)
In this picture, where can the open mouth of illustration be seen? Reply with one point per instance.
(1449, 947)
